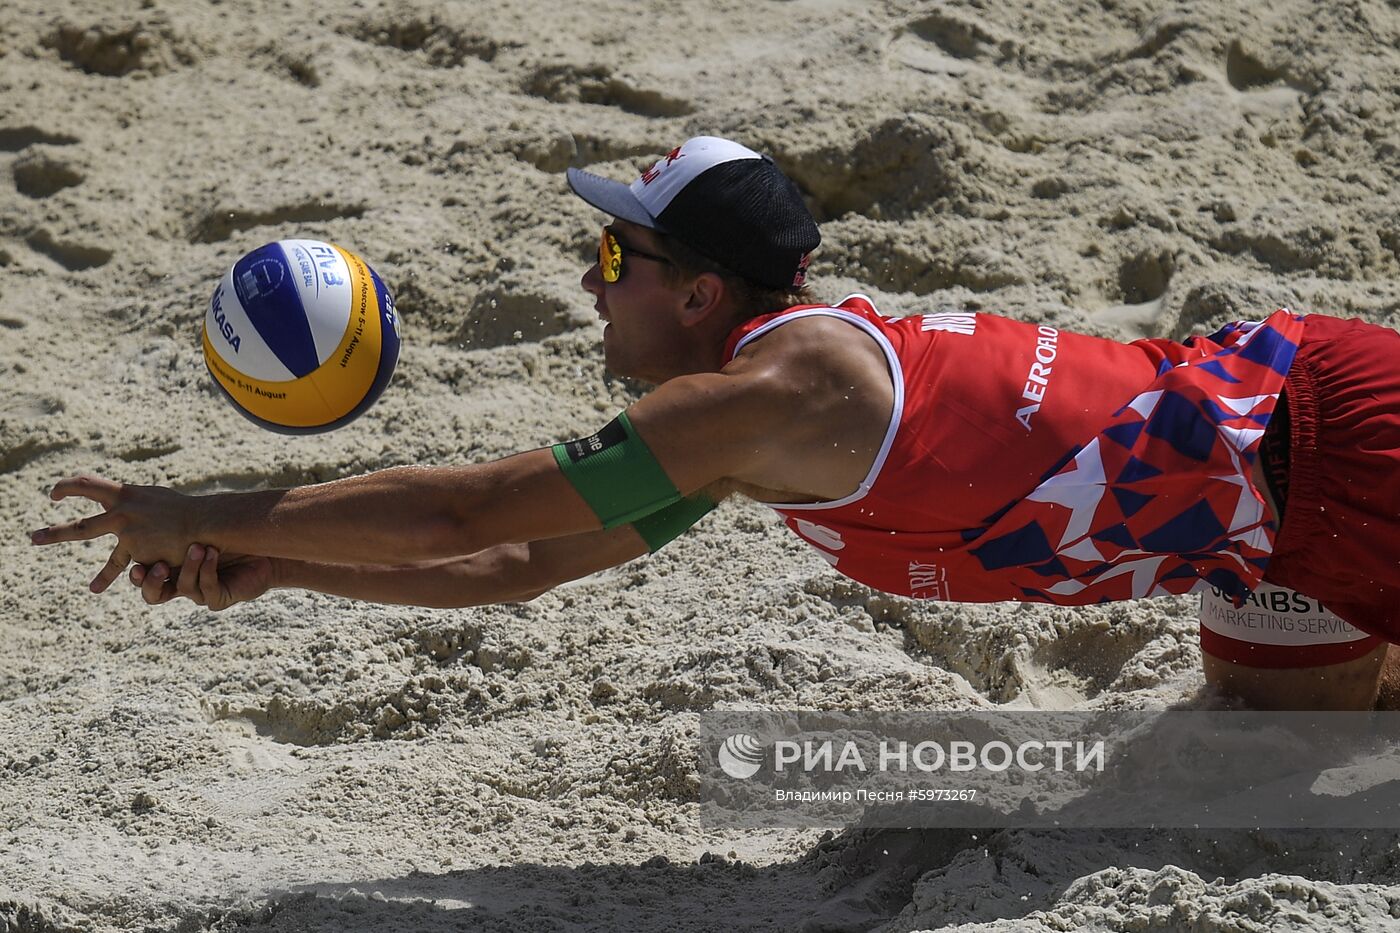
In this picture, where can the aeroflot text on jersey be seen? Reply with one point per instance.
(1047, 347)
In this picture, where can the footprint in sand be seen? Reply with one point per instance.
(1143, 279)
(596, 84)
(1263, 89)
(40, 175)
(1245, 72)
(1212, 304)
(442, 44)
(942, 43)
(16, 138)
(893, 169)
(221, 223)
(75, 257)
(112, 51)
(28, 429)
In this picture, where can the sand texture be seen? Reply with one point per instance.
(308, 763)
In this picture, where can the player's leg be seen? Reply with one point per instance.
(1389, 696)
(1347, 685)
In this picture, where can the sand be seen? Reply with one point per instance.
(308, 763)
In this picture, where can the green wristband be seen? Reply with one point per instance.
(616, 474)
(660, 528)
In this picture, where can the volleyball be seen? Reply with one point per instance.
(301, 336)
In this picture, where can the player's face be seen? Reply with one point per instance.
(638, 306)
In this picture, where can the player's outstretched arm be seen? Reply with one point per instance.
(404, 513)
(689, 433)
(503, 574)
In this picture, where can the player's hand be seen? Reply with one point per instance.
(152, 523)
(206, 578)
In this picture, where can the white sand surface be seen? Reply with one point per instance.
(308, 763)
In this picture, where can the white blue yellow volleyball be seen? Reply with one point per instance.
(301, 336)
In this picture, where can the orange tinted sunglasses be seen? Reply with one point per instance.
(610, 253)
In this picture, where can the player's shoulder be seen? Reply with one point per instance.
(812, 334)
(813, 367)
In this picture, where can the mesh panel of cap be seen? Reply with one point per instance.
(747, 216)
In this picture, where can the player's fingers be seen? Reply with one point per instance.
(83, 529)
(188, 584)
(137, 575)
(156, 581)
(209, 580)
(91, 487)
(167, 592)
(110, 570)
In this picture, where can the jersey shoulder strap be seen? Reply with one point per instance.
(860, 304)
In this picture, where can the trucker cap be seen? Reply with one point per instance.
(723, 200)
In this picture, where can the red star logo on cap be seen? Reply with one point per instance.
(650, 174)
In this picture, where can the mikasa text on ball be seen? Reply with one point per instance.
(301, 336)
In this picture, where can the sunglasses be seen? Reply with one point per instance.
(610, 253)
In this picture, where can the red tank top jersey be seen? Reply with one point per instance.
(1024, 462)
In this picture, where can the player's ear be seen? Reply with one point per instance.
(707, 294)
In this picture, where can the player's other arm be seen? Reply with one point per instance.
(507, 573)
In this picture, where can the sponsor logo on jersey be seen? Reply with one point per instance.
(1277, 600)
(1273, 615)
(952, 322)
(825, 540)
(1047, 348)
(928, 581)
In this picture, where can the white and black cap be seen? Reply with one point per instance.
(723, 200)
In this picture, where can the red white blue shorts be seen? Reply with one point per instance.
(1340, 537)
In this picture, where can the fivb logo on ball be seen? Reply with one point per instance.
(301, 336)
